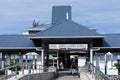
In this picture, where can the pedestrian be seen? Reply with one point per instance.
(73, 68)
(61, 66)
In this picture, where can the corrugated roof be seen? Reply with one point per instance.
(7, 41)
(111, 40)
(67, 29)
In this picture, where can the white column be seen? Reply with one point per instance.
(33, 61)
(3, 63)
(57, 59)
(3, 60)
(42, 56)
(91, 56)
(26, 60)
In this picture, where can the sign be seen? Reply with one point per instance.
(68, 46)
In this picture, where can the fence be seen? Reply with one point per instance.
(25, 68)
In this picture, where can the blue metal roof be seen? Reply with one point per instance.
(67, 29)
(111, 40)
(13, 41)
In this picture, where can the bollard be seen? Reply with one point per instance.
(78, 74)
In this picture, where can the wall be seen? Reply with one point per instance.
(99, 61)
(40, 76)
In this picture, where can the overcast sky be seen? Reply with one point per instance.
(17, 15)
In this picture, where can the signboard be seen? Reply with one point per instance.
(68, 46)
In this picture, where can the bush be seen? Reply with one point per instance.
(117, 65)
(16, 68)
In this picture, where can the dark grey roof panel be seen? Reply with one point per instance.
(111, 40)
(15, 41)
(67, 28)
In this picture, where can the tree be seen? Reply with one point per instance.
(16, 68)
(117, 65)
(35, 23)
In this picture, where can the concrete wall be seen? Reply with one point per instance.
(40, 76)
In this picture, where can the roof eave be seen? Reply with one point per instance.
(67, 37)
(15, 48)
(107, 47)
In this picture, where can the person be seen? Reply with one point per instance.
(61, 66)
(73, 67)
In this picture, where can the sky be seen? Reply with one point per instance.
(17, 15)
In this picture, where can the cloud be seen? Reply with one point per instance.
(96, 13)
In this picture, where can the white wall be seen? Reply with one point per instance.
(81, 61)
(99, 61)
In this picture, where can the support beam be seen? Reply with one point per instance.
(3, 60)
(26, 60)
(45, 46)
(91, 56)
(57, 59)
(42, 56)
(20, 58)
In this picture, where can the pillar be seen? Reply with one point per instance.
(58, 59)
(91, 56)
(46, 52)
(8, 59)
(20, 58)
(3, 60)
(90, 52)
(26, 60)
(105, 64)
(42, 56)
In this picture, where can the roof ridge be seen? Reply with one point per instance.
(85, 27)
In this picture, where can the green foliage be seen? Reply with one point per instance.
(16, 68)
(117, 65)
(35, 23)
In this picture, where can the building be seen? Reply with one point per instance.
(62, 41)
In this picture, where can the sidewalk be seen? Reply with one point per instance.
(86, 76)
(65, 75)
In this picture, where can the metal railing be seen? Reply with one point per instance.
(94, 71)
(25, 68)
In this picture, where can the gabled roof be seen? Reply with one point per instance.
(15, 41)
(111, 40)
(67, 29)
